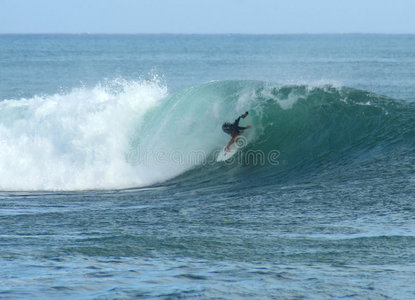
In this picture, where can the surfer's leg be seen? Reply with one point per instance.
(230, 143)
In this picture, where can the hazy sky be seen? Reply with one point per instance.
(207, 16)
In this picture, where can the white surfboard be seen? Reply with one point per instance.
(239, 143)
(225, 155)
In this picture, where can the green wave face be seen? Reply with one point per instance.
(132, 134)
(297, 130)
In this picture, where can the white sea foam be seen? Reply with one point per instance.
(124, 133)
(76, 140)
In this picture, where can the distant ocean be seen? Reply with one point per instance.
(110, 187)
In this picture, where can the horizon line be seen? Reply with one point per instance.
(204, 33)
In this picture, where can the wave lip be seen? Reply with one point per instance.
(301, 131)
(131, 134)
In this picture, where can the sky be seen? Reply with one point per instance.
(207, 16)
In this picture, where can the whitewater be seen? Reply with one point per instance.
(128, 134)
(110, 186)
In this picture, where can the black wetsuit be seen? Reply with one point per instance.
(233, 129)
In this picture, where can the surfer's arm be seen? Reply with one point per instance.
(243, 128)
(236, 123)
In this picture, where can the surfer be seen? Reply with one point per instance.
(234, 130)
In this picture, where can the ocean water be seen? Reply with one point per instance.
(110, 188)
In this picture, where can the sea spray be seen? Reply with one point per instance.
(73, 141)
(129, 134)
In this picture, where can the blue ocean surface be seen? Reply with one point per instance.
(110, 186)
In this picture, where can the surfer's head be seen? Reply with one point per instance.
(244, 115)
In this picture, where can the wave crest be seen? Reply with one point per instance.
(130, 134)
